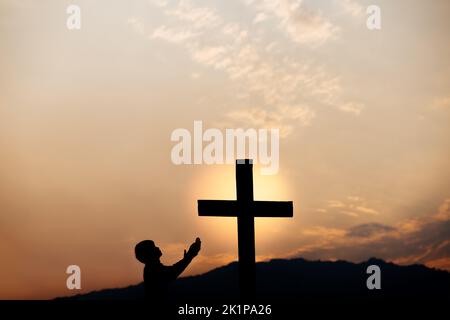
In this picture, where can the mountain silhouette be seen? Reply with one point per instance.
(291, 279)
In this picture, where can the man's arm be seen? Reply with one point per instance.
(179, 267)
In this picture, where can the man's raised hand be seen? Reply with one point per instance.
(193, 249)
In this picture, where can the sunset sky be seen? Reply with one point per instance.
(86, 117)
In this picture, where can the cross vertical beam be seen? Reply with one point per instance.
(245, 228)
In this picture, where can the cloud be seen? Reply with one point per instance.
(159, 3)
(261, 16)
(211, 56)
(441, 103)
(351, 7)
(327, 233)
(170, 35)
(284, 118)
(301, 24)
(442, 263)
(366, 210)
(137, 25)
(351, 107)
(443, 213)
(368, 230)
(424, 240)
(352, 206)
(196, 17)
(269, 84)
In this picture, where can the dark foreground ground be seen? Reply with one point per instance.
(286, 289)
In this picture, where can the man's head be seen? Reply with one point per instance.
(147, 252)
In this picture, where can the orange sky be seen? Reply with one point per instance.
(86, 118)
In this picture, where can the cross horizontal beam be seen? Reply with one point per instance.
(233, 208)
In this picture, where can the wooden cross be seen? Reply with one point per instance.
(245, 209)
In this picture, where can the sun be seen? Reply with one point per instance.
(218, 182)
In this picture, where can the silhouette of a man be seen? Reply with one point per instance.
(158, 276)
